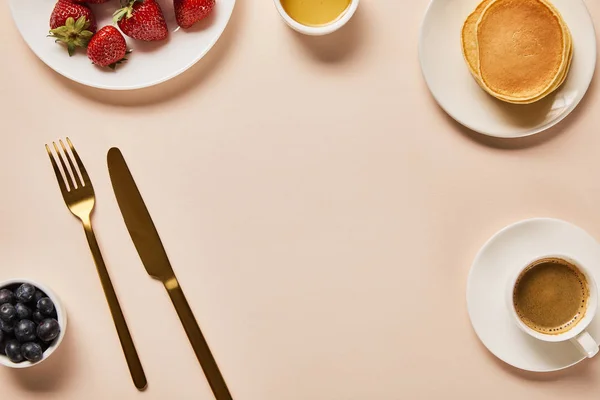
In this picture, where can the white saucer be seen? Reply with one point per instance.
(508, 249)
(454, 88)
(149, 64)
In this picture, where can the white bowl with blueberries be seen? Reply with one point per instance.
(32, 323)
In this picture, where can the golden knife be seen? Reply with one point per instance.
(155, 260)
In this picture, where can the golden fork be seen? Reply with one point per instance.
(79, 196)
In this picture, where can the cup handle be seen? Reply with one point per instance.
(586, 344)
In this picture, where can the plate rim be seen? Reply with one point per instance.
(527, 133)
(130, 87)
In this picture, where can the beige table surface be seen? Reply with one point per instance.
(320, 210)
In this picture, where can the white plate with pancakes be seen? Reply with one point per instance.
(504, 68)
(509, 249)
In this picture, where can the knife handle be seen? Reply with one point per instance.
(203, 354)
(131, 356)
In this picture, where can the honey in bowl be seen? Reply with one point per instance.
(315, 12)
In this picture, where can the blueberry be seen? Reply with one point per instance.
(13, 351)
(45, 305)
(32, 352)
(7, 327)
(25, 331)
(37, 296)
(6, 296)
(25, 292)
(23, 312)
(8, 312)
(38, 317)
(48, 330)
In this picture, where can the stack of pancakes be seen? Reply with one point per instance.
(519, 51)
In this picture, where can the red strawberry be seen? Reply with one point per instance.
(90, 1)
(142, 20)
(188, 12)
(72, 24)
(107, 48)
(65, 9)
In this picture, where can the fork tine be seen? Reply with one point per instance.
(84, 174)
(61, 181)
(64, 166)
(75, 174)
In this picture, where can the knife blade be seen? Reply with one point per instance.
(137, 218)
(154, 257)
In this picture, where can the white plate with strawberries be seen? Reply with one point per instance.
(117, 46)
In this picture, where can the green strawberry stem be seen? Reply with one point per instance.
(126, 11)
(74, 34)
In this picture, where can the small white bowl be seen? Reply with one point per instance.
(61, 318)
(322, 29)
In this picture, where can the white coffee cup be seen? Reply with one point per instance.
(578, 335)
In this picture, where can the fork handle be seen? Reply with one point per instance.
(133, 360)
(196, 338)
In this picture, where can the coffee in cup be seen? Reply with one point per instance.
(551, 296)
(554, 298)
